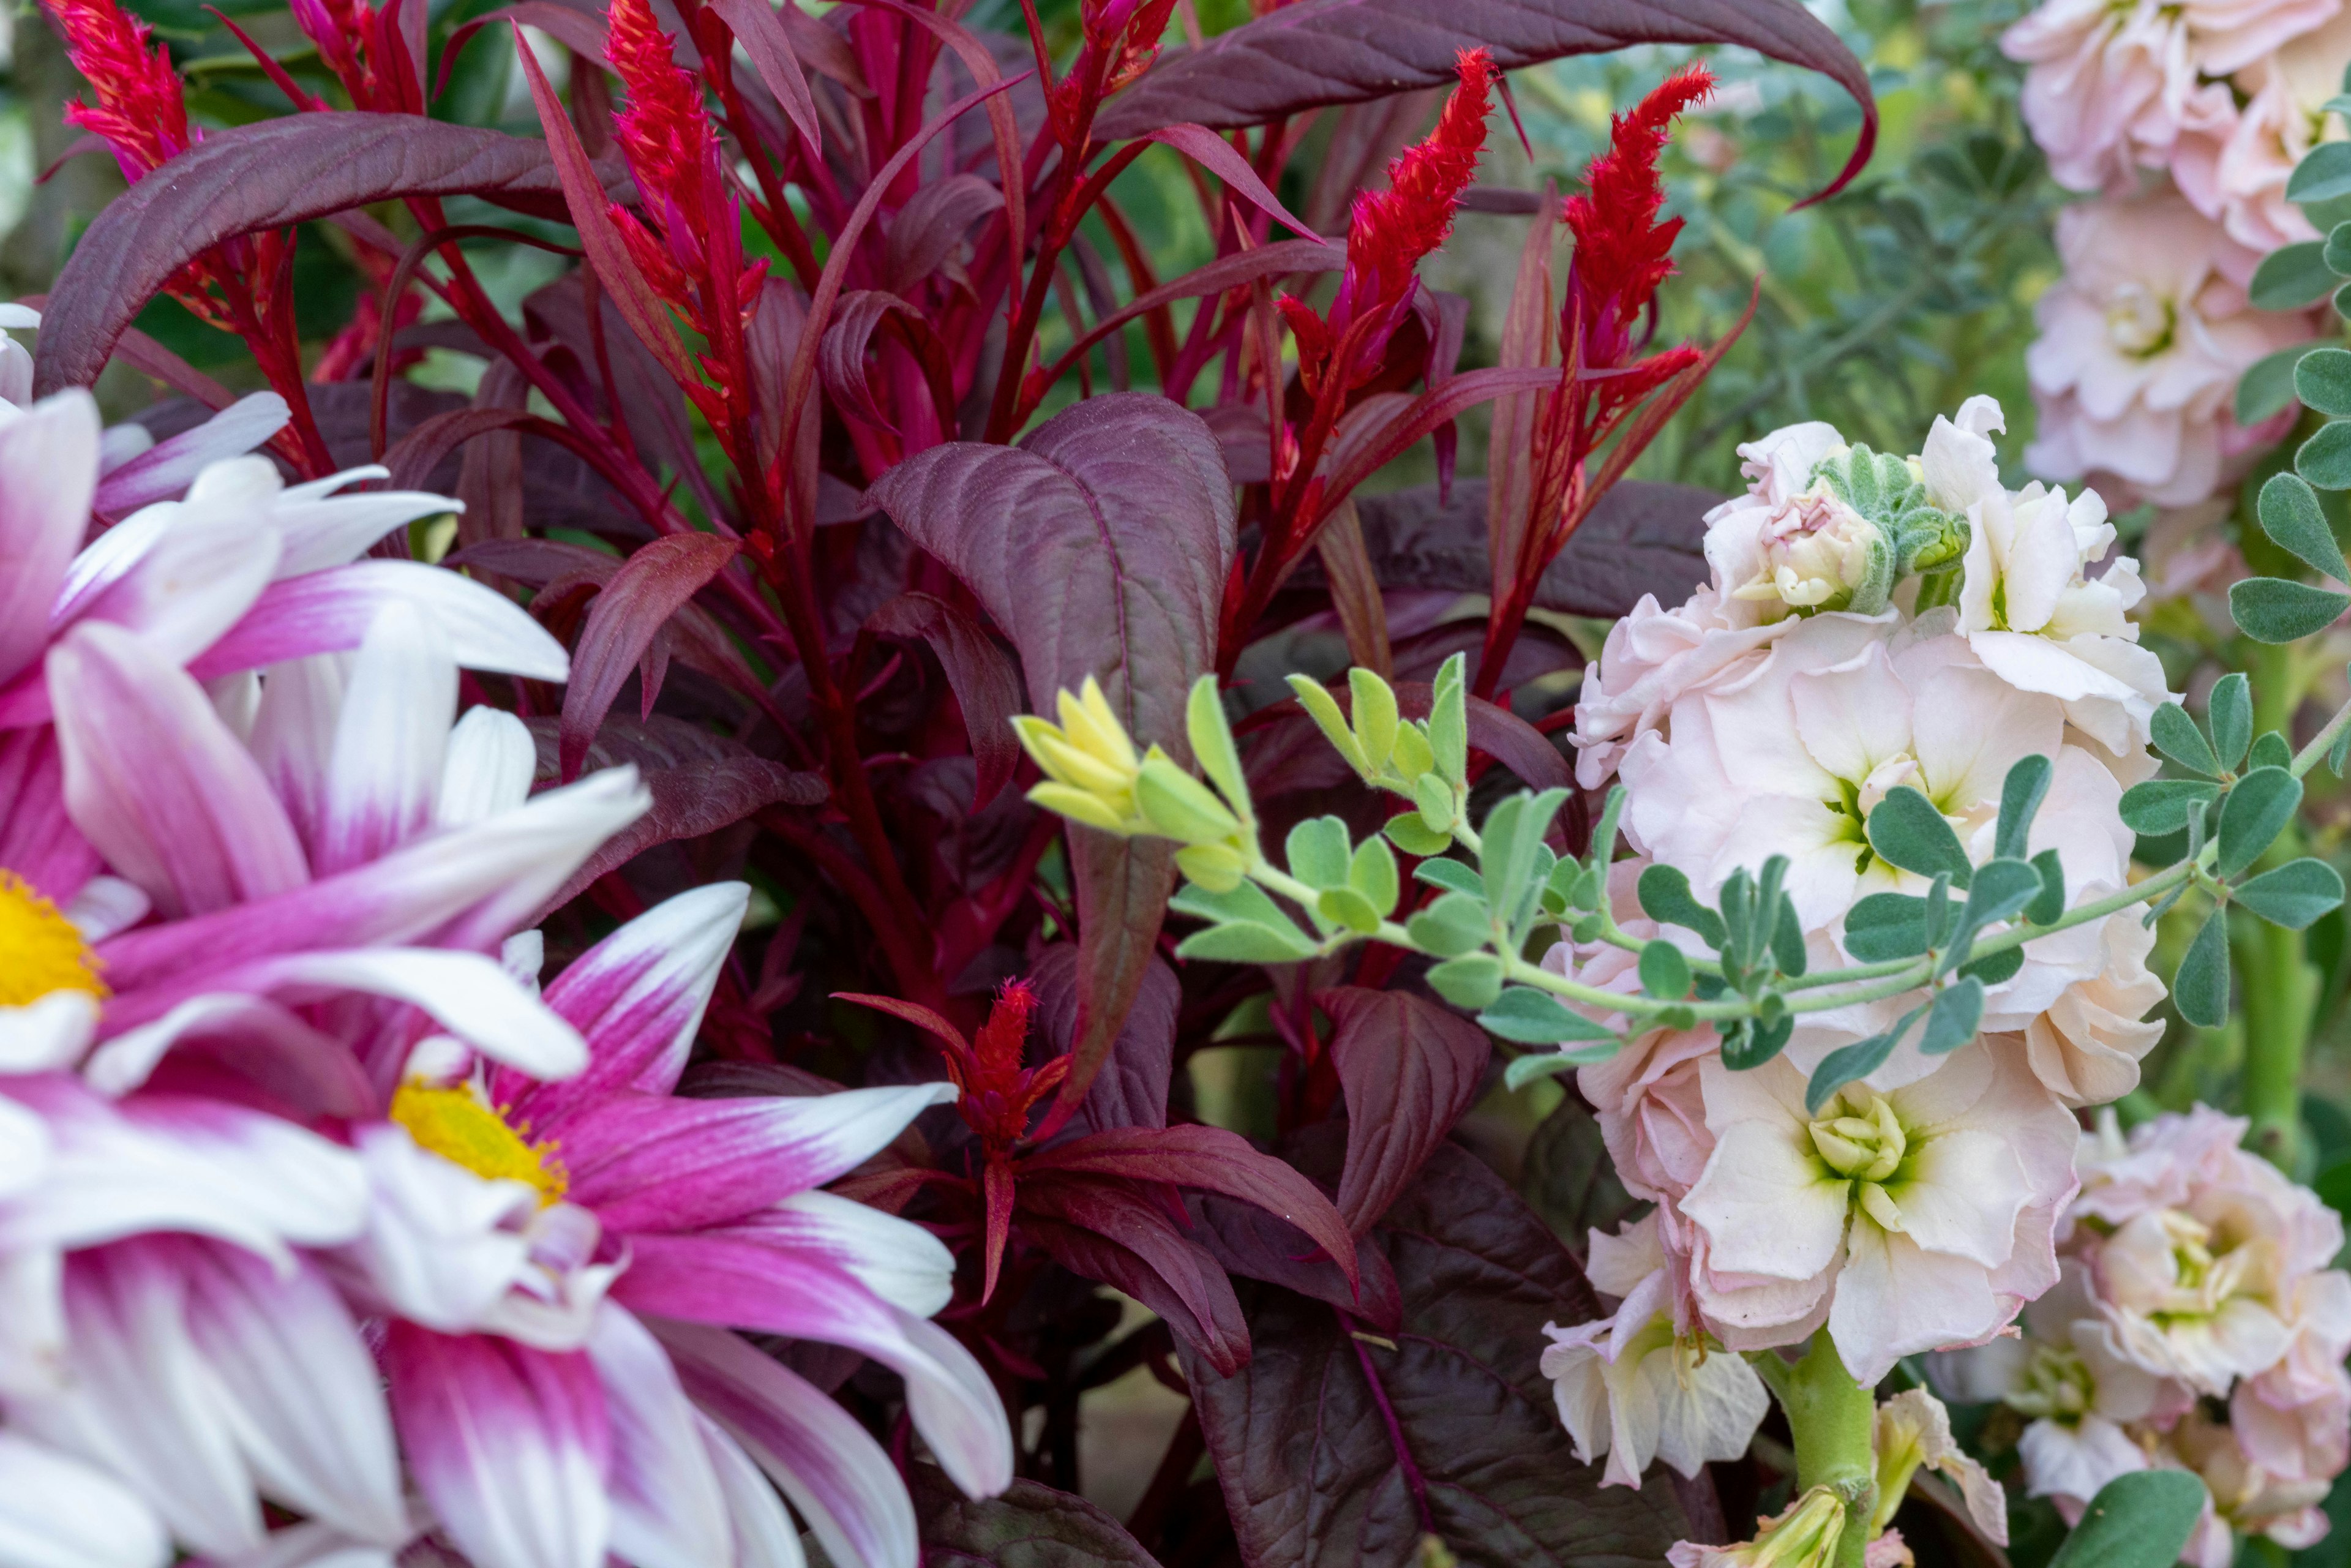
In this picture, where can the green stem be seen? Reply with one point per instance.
(1831, 1417)
(2280, 987)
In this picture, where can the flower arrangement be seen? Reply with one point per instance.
(897, 819)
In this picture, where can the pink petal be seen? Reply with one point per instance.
(668, 1507)
(157, 784)
(167, 468)
(896, 1259)
(646, 1161)
(392, 738)
(49, 463)
(837, 1477)
(178, 574)
(511, 1445)
(638, 997)
(38, 840)
(328, 612)
(764, 1533)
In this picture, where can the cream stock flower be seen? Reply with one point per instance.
(1804, 1534)
(1913, 1431)
(1923, 1215)
(1642, 1383)
(2235, 171)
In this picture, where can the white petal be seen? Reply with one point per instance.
(491, 760)
(765, 1535)
(467, 993)
(896, 1259)
(57, 1512)
(668, 1509)
(46, 1035)
(390, 740)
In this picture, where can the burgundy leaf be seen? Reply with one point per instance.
(840, 357)
(985, 683)
(1248, 1241)
(934, 220)
(1275, 260)
(650, 587)
(266, 176)
(914, 1013)
(1213, 1160)
(416, 455)
(1408, 1069)
(1109, 1232)
(1131, 1089)
(599, 236)
(700, 783)
(1029, 1525)
(1306, 1445)
(995, 1202)
(1213, 154)
(1121, 505)
(1347, 51)
(765, 39)
(652, 406)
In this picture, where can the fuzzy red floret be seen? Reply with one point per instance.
(1391, 231)
(141, 111)
(665, 131)
(1622, 251)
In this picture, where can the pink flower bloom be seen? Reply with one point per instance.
(2141, 345)
(2236, 170)
(1643, 1384)
(2112, 88)
(1923, 1215)
(2246, 1495)
(607, 1413)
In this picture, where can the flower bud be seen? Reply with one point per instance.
(1089, 763)
(1180, 807)
(1819, 553)
(1804, 1536)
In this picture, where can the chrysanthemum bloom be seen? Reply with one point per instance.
(2112, 88)
(557, 1264)
(2142, 342)
(1922, 1217)
(1644, 1383)
(2236, 170)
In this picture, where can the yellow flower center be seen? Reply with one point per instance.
(456, 1123)
(40, 951)
(1869, 1147)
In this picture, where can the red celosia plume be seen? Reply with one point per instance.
(998, 1092)
(1622, 251)
(141, 111)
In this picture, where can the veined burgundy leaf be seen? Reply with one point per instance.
(651, 403)
(1213, 154)
(1029, 1525)
(1346, 51)
(934, 220)
(1252, 1243)
(700, 783)
(1408, 1069)
(764, 39)
(1213, 1160)
(1131, 1089)
(1123, 506)
(985, 683)
(1110, 1232)
(1303, 1439)
(650, 586)
(840, 357)
(583, 196)
(1273, 260)
(914, 1013)
(266, 176)
(416, 455)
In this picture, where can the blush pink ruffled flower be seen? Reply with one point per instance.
(2142, 342)
(2236, 170)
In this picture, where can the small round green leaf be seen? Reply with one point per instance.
(2200, 988)
(1907, 830)
(2229, 711)
(2021, 794)
(2138, 1521)
(2326, 458)
(1471, 983)
(1664, 973)
(1665, 898)
(1373, 873)
(2161, 805)
(2337, 250)
(2322, 378)
(1886, 925)
(2176, 737)
(2289, 508)
(1246, 942)
(1348, 908)
(2267, 386)
(2256, 811)
(1535, 1017)
(2294, 894)
(1455, 923)
(1953, 1020)
(2269, 750)
(2273, 610)
(2323, 175)
(1410, 834)
(2292, 278)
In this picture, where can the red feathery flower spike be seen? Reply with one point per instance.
(1622, 251)
(141, 111)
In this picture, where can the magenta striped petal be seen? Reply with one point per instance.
(499, 870)
(896, 1259)
(511, 1445)
(392, 739)
(292, 738)
(157, 784)
(327, 611)
(838, 1478)
(48, 463)
(763, 1530)
(310, 1417)
(736, 1284)
(240, 1038)
(323, 528)
(668, 1509)
(178, 575)
(647, 1162)
(38, 840)
(168, 467)
(638, 997)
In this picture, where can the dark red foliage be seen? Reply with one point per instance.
(813, 531)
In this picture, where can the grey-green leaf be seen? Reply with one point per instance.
(2021, 794)
(1664, 973)
(2139, 1520)
(1859, 1060)
(2292, 278)
(1451, 875)
(2269, 750)
(2050, 902)
(1886, 925)
(2294, 894)
(2323, 175)
(1665, 898)
(2256, 811)
(1472, 983)
(2161, 805)
(1907, 830)
(1536, 1018)
(2199, 988)
(2229, 710)
(1246, 942)
(1415, 836)
(2176, 737)
(2289, 507)
(2326, 458)
(2321, 379)
(1318, 851)
(1953, 1018)
(1455, 923)
(2274, 609)
(2267, 386)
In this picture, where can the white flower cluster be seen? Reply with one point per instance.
(1917, 1209)
(2197, 1326)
